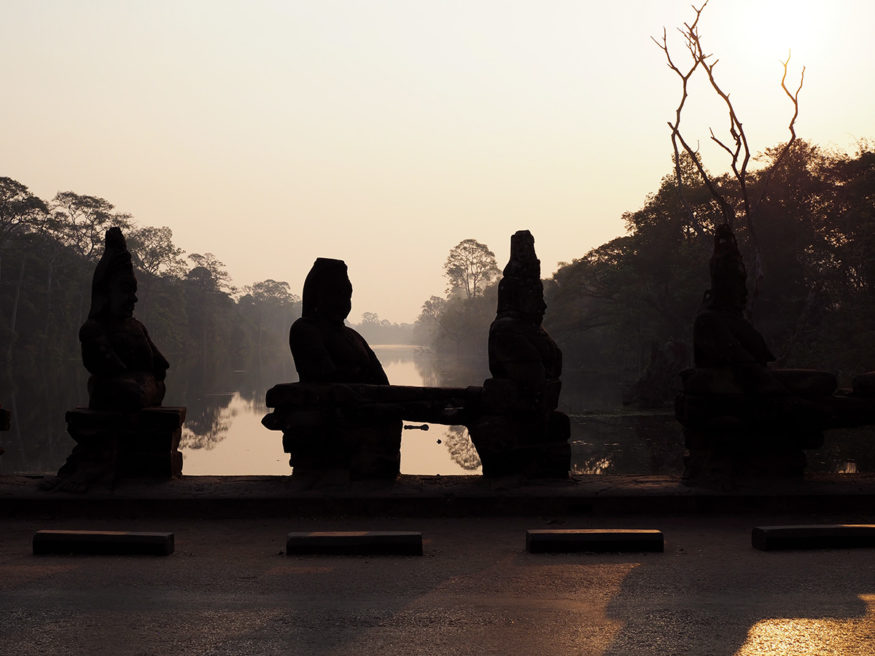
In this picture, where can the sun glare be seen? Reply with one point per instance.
(775, 27)
(800, 636)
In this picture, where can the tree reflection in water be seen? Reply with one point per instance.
(227, 407)
(207, 421)
(37, 442)
(461, 448)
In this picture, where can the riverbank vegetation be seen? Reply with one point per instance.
(628, 305)
(613, 310)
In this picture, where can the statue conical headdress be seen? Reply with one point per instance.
(522, 273)
(728, 273)
(115, 262)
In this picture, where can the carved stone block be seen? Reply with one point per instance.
(143, 443)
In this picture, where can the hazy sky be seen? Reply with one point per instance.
(383, 132)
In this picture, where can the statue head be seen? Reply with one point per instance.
(327, 291)
(113, 287)
(520, 291)
(728, 274)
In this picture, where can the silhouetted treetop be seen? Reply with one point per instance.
(470, 268)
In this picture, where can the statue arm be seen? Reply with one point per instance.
(160, 365)
(518, 359)
(718, 346)
(98, 355)
(312, 359)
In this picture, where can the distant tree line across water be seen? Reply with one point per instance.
(198, 318)
(610, 310)
(616, 308)
(48, 251)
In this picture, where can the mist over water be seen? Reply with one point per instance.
(223, 435)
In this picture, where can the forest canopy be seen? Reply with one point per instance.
(610, 309)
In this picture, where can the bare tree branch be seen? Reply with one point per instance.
(737, 149)
(794, 98)
(691, 39)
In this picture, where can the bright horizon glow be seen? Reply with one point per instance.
(385, 132)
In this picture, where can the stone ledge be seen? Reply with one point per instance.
(434, 496)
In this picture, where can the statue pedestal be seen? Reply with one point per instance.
(330, 428)
(719, 454)
(126, 445)
(732, 432)
(508, 446)
(515, 436)
(357, 428)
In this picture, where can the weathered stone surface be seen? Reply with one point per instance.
(594, 540)
(519, 431)
(813, 536)
(326, 351)
(741, 418)
(344, 415)
(339, 426)
(124, 431)
(403, 543)
(102, 542)
(112, 445)
(127, 369)
(864, 385)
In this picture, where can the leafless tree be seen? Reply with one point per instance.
(736, 147)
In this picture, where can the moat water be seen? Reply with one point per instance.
(223, 434)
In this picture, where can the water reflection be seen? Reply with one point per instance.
(444, 450)
(223, 434)
(612, 443)
(38, 442)
(232, 440)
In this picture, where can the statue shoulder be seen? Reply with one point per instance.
(90, 330)
(304, 328)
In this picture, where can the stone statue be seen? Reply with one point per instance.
(520, 431)
(5, 423)
(722, 337)
(742, 418)
(367, 444)
(125, 431)
(127, 369)
(324, 349)
(5, 420)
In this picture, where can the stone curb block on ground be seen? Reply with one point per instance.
(102, 542)
(398, 543)
(593, 540)
(813, 536)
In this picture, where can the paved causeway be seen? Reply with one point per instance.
(229, 588)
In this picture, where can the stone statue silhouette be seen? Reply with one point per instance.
(367, 445)
(127, 369)
(743, 419)
(324, 349)
(520, 431)
(721, 334)
(124, 432)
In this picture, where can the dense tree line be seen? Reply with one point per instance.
(615, 309)
(204, 326)
(815, 303)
